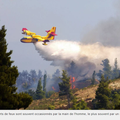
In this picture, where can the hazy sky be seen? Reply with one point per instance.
(72, 18)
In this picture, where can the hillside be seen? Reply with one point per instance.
(86, 93)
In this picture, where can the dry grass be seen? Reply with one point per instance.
(115, 84)
(87, 94)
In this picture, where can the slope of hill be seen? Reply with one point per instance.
(87, 94)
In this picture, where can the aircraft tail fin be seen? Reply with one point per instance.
(50, 34)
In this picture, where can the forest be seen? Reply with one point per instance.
(22, 89)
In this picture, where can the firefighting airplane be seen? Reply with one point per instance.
(32, 38)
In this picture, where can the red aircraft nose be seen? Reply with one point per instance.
(24, 29)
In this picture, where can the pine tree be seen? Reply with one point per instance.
(106, 69)
(9, 99)
(65, 87)
(103, 95)
(82, 105)
(116, 100)
(72, 68)
(44, 83)
(115, 70)
(39, 92)
(93, 78)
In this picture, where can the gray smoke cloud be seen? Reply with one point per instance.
(106, 32)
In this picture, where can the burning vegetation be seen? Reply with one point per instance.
(72, 80)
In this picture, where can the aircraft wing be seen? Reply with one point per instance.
(30, 33)
(25, 31)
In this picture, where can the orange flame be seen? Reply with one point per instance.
(73, 86)
(53, 88)
(72, 79)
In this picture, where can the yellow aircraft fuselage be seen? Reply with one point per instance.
(32, 38)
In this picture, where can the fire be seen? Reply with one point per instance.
(72, 80)
(53, 88)
(73, 86)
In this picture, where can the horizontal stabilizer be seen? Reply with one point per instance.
(47, 31)
(52, 33)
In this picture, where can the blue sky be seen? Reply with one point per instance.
(72, 18)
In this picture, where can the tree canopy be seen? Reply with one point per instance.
(65, 87)
(39, 92)
(103, 94)
(9, 99)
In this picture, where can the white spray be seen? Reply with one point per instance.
(62, 52)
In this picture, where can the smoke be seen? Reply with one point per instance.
(117, 7)
(87, 57)
(106, 32)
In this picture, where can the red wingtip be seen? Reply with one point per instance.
(24, 29)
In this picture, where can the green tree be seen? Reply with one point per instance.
(93, 78)
(106, 69)
(103, 94)
(9, 99)
(24, 100)
(44, 83)
(82, 105)
(116, 100)
(39, 92)
(64, 87)
(115, 70)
